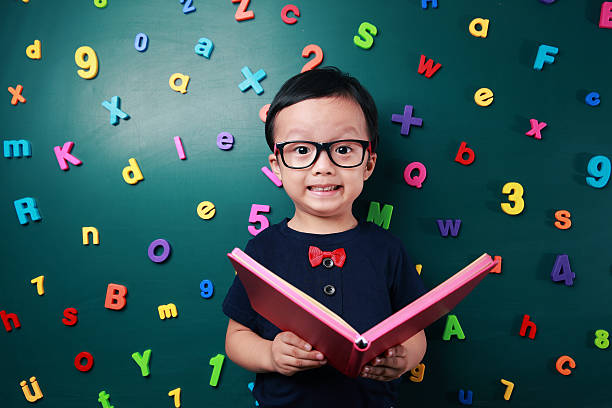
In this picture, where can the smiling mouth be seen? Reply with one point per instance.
(326, 188)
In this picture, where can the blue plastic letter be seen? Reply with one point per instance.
(141, 42)
(599, 167)
(17, 148)
(204, 47)
(545, 54)
(24, 206)
(592, 99)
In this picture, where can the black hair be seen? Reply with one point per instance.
(319, 83)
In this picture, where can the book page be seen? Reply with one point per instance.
(303, 295)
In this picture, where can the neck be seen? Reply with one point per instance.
(313, 224)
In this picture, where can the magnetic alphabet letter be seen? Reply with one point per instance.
(26, 205)
(115, 296)
(16, 92)
(132, 174)
(8, 318)
(605, 18)
(528, 324)
(482, 31)
(365, 39)
(95, 235)
(204, 47)
(114, 109)
(70, 316)
(26, 390)
(545, 54)
(378, 217)
(463, 149)
(453, 328)
(143, 361)
(33, 51)
(63, 154)
(89, 360)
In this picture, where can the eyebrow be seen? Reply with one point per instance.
(343, 131)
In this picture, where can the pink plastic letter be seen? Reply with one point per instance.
(272, 176)
(63, 154)
(179, 148)
(416, 181)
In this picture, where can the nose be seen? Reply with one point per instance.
(323, 164)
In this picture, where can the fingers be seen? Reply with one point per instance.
(298, 348)
(387, 366)
(380, 373)
(294, 340)
(294, 354)
(397, 351)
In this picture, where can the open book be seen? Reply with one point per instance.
(290, 309)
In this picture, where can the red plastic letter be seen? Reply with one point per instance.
(115, 296)
(462, 150)
(83, 367)
(70, 316)
(241, 13)
(9, 316)
(532, 327)
(428, 67)
(289, 20)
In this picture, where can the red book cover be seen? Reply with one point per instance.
(290, 309)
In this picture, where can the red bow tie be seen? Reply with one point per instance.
(315, 256)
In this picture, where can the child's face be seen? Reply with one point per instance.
(322, 120)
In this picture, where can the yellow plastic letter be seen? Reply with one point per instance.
(206, 210)
(483, 30)
(26, 390)
(483, 97)
(95, 235)
(184, 81)
(136, 174)
(167, 311)
(33, 51)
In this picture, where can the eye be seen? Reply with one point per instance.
(343, 149)
(302, 149)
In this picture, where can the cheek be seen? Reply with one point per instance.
(292, 183)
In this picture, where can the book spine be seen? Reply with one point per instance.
(352, 366)
(355, 361)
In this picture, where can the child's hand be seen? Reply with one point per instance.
(388, 366)
(291, 354)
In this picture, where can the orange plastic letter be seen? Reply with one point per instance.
(562, 360)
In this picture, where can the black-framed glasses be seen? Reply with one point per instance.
(299, 154)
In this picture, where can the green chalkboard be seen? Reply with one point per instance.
(62, 107)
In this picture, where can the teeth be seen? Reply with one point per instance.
(323, 188)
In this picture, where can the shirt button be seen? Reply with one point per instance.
(328, 263)
(329, 290)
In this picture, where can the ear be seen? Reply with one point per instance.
(369, 167)
(272, 159)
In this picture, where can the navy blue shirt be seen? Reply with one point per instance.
(377, 279)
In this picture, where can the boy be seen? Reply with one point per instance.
(322, 128)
